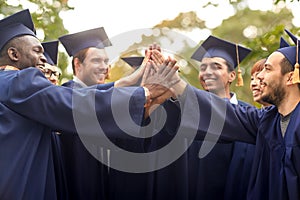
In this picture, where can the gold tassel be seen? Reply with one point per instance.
(240, 81)
(296, 70)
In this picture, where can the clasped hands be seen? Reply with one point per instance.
(157, 75)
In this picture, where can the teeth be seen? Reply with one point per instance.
(208, 80)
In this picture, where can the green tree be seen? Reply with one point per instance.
(257, 30)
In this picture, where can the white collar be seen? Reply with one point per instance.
(77, 80)
(233, 98)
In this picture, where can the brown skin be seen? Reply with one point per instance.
(277, 88)
(215, 77)
(23, 52)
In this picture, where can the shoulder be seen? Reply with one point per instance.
(244, 104)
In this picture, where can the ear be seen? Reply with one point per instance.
(77, 65)
(290, 78)
(13, 54)
(232, 76)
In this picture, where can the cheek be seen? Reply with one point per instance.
(199, 76)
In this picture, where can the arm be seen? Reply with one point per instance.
(28, 93)
(214, 118)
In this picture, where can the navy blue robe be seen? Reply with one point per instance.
(30, 109)
(86, 177)
(101, 182)
(171, 181)
(59, 169)
(276, 164)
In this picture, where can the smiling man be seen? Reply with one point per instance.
(89, 58)
(220, 168)
(86, 177)
(275, 130)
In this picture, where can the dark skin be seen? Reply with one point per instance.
(23, 52)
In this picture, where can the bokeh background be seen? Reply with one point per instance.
(132, 25)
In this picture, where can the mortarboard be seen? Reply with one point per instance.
(134, 61)
(15, 25)
(292, 55)
(283, 43)
(75, 42)
(292, 36)
(50, 51)
(216, 47)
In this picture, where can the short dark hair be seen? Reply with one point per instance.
(11, 43)
(81, 55)
(229, 66)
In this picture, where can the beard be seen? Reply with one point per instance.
(276, 96)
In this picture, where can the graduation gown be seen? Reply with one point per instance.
(90, 179)
(171, 181)
(276, 164)
(86, 177)
(210, 177)
(30, 109)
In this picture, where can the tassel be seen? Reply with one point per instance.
(240, 81)
(296, 70)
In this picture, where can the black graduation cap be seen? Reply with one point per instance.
(283, 43)
(289, 53)
(75, 42)
(134, 61)
(216, 47)
(15, 25)
(292, 55)
(292, 36)
(50, 51)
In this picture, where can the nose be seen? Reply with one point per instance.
(104, 69)
(260, 75)
(43, 58)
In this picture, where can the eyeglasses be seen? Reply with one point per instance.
(48, 72)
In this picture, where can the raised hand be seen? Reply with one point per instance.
(160, 80)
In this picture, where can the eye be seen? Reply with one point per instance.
(202, 68)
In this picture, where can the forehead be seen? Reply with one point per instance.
(30, 40)
(95, 52)
(274, 59)
(208, 60)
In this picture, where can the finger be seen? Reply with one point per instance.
(154, 45)
(171, 73)
(157, 56)
(168, 69)
(154, 65)
(158, 48)
(145, 74)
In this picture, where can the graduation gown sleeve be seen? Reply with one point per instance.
(30, 109)
(28, 93)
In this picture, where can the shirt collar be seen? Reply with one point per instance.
(233, 98)
(77, 80)
(8, 67)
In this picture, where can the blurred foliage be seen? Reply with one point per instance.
(45, 15)
(257, 30)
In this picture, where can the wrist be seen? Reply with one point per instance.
(179, 88)
(147, 97)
